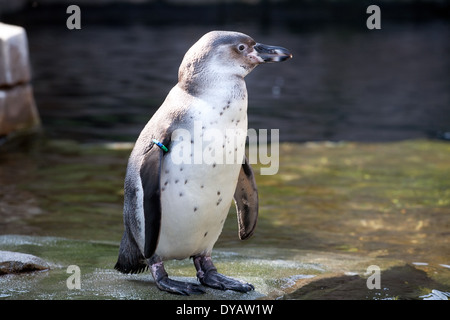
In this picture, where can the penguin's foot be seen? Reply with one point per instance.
(179, 287)
(164, 283)
(208, 276)
(217, 280)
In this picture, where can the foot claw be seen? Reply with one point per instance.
(208, 276)
(179, 287)
(164, 283)
(219, 281)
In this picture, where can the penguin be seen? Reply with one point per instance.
(176, 209)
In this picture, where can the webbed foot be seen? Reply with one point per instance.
(208, 276)
(179, 287)
(164, 283)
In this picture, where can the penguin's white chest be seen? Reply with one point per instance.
(199, 177)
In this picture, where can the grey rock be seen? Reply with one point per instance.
(16, 262)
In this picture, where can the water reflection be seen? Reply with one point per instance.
(105, 82)
(398, 283)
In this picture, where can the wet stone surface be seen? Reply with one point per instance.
(273, 272)
(331, 212)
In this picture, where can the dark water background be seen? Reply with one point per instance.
(103, 82)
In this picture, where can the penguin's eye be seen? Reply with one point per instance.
(241, 47)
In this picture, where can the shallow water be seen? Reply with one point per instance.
(276, 274)
(332, 211)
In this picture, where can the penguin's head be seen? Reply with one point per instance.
(227, 53)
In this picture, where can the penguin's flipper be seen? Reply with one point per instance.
(150, 173)
(246, 199)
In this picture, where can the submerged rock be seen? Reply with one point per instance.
(16, 262)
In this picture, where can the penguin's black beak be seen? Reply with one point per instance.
(272, 53)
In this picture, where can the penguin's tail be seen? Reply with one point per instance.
(130, 258)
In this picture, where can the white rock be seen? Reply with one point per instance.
(14, 58)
